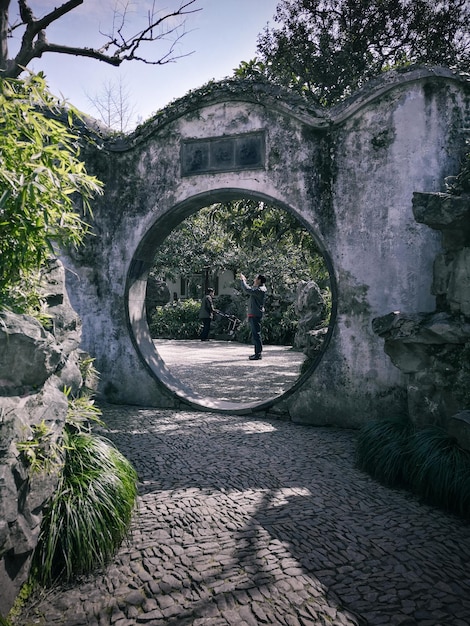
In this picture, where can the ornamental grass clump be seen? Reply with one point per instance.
(440, 472)
(428, 462)
(383, 450)
(90, 512)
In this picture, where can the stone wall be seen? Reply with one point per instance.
(35, 365)
(433, 349)
(348, 174)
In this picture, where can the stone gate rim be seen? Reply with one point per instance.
(135, 295)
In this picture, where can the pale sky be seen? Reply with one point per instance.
(222, 34)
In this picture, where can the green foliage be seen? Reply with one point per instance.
(279, 322)
(15, 612)
(383, 450)
(279, 326)
(248, 236)
(26, 296)
(38, 451)
(181, 321)
(441, 470)
(245, 235)
(82, 413)
(429, 462)
(176, 321)
(328, 48)
(89, 513)
(89, 373)
(41, 179)
(459, 184)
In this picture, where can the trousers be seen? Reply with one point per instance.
(255, 326)
(206, 321)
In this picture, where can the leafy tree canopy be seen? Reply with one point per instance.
(245, 235)
(41, 178)
(328, 48)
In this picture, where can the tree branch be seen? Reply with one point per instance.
(125, 47)
(34, 37)
(91, 53)
(56, 14)
(117, 49)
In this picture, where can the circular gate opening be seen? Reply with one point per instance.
(205, 242)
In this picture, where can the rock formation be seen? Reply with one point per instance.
(433, 349)
(311, 308)
(35, 366)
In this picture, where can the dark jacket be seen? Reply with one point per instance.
(256, 300)
(207, 309)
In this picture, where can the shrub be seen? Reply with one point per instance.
(90, 512)
(383, 450)
(38, 451)
(230, 305)
(181, 320)
(280, 325)
(176, 321)
(428, 462)
(440, 473)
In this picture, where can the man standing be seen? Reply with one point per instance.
(206, 314)
(257, 295)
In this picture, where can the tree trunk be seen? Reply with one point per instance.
(4, 8)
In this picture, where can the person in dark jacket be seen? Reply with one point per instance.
(206, 314)
(257, 293)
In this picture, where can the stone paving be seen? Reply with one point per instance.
(221, 368)
(244, 521)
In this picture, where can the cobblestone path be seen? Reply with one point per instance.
(244, 521)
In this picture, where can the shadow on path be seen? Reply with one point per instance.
(222, 370)
(255, 521)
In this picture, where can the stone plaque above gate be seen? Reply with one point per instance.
(223, 154)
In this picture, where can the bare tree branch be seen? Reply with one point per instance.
(44, 46)
(117, 49)
(114, 105)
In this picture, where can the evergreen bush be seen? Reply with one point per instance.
(428, 462)
(383, 450)
(440, 473)
(280, 325)
(181, 320)
(178, 320)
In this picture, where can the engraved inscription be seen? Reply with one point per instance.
(196, 157)
(223, 154)
(248, 152)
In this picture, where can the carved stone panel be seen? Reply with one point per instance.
(223, 154)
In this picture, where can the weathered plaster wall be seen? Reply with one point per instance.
(386, 145)
(348, 174)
